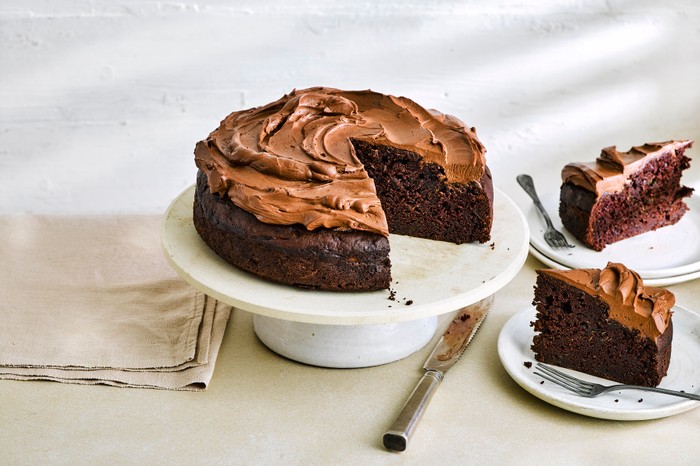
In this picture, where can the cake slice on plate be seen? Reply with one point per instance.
(603, 322)
(624, 194)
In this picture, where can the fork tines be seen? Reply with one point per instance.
(562, 379)
(556, 239)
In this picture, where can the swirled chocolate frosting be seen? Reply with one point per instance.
(612, 169)
(645, 308)
(292, 161)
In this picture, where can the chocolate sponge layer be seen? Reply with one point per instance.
(418, 201)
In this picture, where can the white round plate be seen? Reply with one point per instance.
(665, 281)
(429, 277)
(683, 373)
(670, 251)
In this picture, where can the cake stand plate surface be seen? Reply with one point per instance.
(341, 329)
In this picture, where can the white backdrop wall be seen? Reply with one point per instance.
(101, 102)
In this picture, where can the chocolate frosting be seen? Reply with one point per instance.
(292, 161)
(612, 169)
(645, 308)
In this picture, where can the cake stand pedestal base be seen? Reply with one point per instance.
(344, 346)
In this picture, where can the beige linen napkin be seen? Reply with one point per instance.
(91, 299)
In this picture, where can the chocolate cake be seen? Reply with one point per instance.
(604, 323)
(305, 190)
(624, 194)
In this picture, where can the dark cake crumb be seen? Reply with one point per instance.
(392, 295)
(527, 364)
(616, 400)
(409, 302)
(640, 400)
(492, 245)
(542, 382)
(419, 201)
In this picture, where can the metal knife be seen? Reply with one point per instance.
(446, 353)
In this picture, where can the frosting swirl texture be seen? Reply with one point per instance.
(611, 170)
(645, 308)
(292, 161)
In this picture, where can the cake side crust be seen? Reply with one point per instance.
(322, 259)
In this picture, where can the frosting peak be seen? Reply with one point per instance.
(292, 161)
(612, 168)
(645, 308)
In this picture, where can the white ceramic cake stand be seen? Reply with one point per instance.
(339, 329)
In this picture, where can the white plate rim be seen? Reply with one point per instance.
(551, 202)
(665, 281)
(513, 357)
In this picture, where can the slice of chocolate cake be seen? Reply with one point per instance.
(604, 323)
(624, 194)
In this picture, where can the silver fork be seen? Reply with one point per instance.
(590, 390)
(552, 236)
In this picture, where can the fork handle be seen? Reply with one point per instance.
(525, 181)
(692, 396)
(401, 430)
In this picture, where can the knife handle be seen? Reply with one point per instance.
(401, 430)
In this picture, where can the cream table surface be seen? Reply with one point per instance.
(263, 409)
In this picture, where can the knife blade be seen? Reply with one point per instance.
(446, 353)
